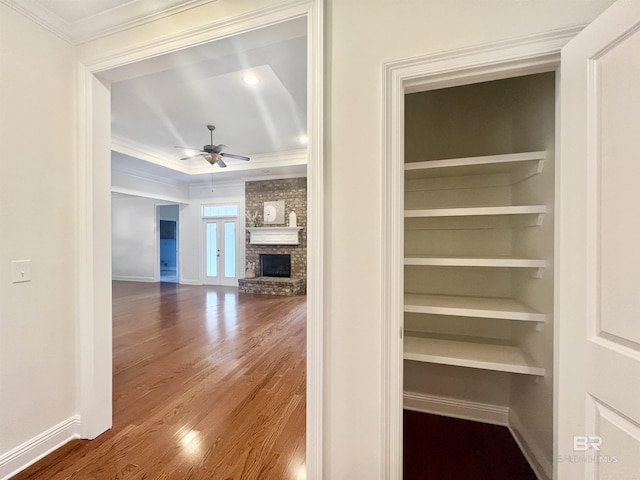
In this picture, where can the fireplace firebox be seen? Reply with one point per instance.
(275, 265)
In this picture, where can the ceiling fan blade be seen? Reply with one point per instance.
(191, 156)
(233, 155)
(220, 163)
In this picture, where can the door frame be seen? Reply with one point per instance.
(510, 58)
(157, 269)
(92, 193)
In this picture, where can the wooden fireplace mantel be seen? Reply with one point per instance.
(274, 235)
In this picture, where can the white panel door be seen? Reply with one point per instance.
(598, 310)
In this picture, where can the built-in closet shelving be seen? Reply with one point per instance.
(461, 306)
(470, 353)
(476, 211)
(462, 351)
(478, 259)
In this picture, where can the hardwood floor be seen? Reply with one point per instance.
(444, 448)
(207, 384)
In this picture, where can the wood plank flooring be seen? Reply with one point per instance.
(207, 384)
(444, 448)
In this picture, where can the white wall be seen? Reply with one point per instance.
(134, 253)
(37, 213)
(191, 232)
(134, 230)
(169, 212)
(130, 184)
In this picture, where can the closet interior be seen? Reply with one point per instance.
(478, 254)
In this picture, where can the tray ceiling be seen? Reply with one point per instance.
(168, 100)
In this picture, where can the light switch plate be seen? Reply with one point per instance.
(20, 271)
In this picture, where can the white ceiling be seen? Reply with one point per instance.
(74, 10)
(168, 100)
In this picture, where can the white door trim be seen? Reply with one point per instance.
(520, 56)
(92, 198)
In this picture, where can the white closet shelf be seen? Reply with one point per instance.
(520, 165)
(506, 262)
(479, 307)
(486, 356)
(477, 211)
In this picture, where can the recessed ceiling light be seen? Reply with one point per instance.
(250, 79)
(303, 139)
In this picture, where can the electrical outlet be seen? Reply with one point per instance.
(20, 271)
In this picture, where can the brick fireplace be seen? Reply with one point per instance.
(294, 193)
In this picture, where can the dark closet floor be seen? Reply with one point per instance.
(444, 448)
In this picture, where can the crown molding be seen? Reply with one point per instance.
(132, 149)
(234, 183)
(211, 31)
(123, 17)
(41, 15)
(258, 160)
(131, 192)
(132, 172)
(286, 176)
(228, 184)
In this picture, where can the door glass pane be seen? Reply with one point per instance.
(229, 249)
(212, 250)
(220, 210)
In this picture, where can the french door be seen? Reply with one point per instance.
(220, 252)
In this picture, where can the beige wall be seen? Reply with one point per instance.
(37, 183)
(37, 352)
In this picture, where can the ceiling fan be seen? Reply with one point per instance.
(213, 153)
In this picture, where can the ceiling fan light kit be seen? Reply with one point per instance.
(212, 153)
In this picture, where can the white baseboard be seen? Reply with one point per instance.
(188, 281)
(124, 278)
(453, 407)
(540, 464)
(39, 446)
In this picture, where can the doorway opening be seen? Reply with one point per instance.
(168, 251)
(94, 141)
(435, 209)
(478, 246)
